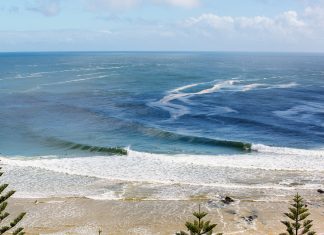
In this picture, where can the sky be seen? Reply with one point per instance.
(162, 25)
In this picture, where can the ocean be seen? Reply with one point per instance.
(161, 125)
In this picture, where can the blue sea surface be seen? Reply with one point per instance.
(200, 103)
(155, 125)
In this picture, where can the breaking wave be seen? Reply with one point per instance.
(86, 147)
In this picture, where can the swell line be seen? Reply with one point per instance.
(86, 147)
(198, 139)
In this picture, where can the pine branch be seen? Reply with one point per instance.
(6, 196)
(3, 187)
(18, 231)
(182, 233)
(298, 213)
(17, 220)
(199, 226)
(3, 214)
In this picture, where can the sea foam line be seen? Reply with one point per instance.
(181, 168)
(40, 74)
(177, 110)
(234, 85)
(76, 80)
(84, 167)
(288, 151)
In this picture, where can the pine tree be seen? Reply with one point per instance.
(3, 214)
(198, 226)
(298, 214)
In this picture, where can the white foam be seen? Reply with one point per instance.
(178, 110)
(88, 74)
(166, 176)
(216, 87)
(185, 87)
(283, 86)
(75, 80)
(20, 76)
(196, 169)
(109, 195)
(252, 86)
(289, 151)
(40, 73)
(263, 86)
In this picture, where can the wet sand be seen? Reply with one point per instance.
(85, 216)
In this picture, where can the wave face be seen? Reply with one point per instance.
(146, 113)
(89, 148)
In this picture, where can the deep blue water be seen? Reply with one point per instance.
(159, 102)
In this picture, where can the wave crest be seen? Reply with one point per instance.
(85, 147)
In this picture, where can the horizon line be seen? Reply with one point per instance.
(161, 51)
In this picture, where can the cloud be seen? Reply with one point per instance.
(46, 7)
(110, 5)
(210, 20)
(256, 23)
(286, 22)
(183, 3)
(106, 5)
(290, 19)
(289, 30)
(315, 15)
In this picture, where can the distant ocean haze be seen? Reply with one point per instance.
(169, 113)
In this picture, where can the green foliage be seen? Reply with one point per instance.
(4, 196)
(199, 226)
(299, 225)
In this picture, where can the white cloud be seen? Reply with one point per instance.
(46, 7)
(183, 3)
(256, 22)
(315, 15)
(211, 20)
(287, 22)
(288, 31)
(53, 7)
(290, 19)
(106, 5)
(109, 5)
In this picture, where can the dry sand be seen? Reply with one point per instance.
(86, 216)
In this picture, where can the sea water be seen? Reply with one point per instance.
(160, 125)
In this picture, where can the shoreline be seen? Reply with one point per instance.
(79, 215)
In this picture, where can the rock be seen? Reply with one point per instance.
(249, 219)
(320, 191)
(227, 200)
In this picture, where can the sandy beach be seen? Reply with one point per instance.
(85, 216)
